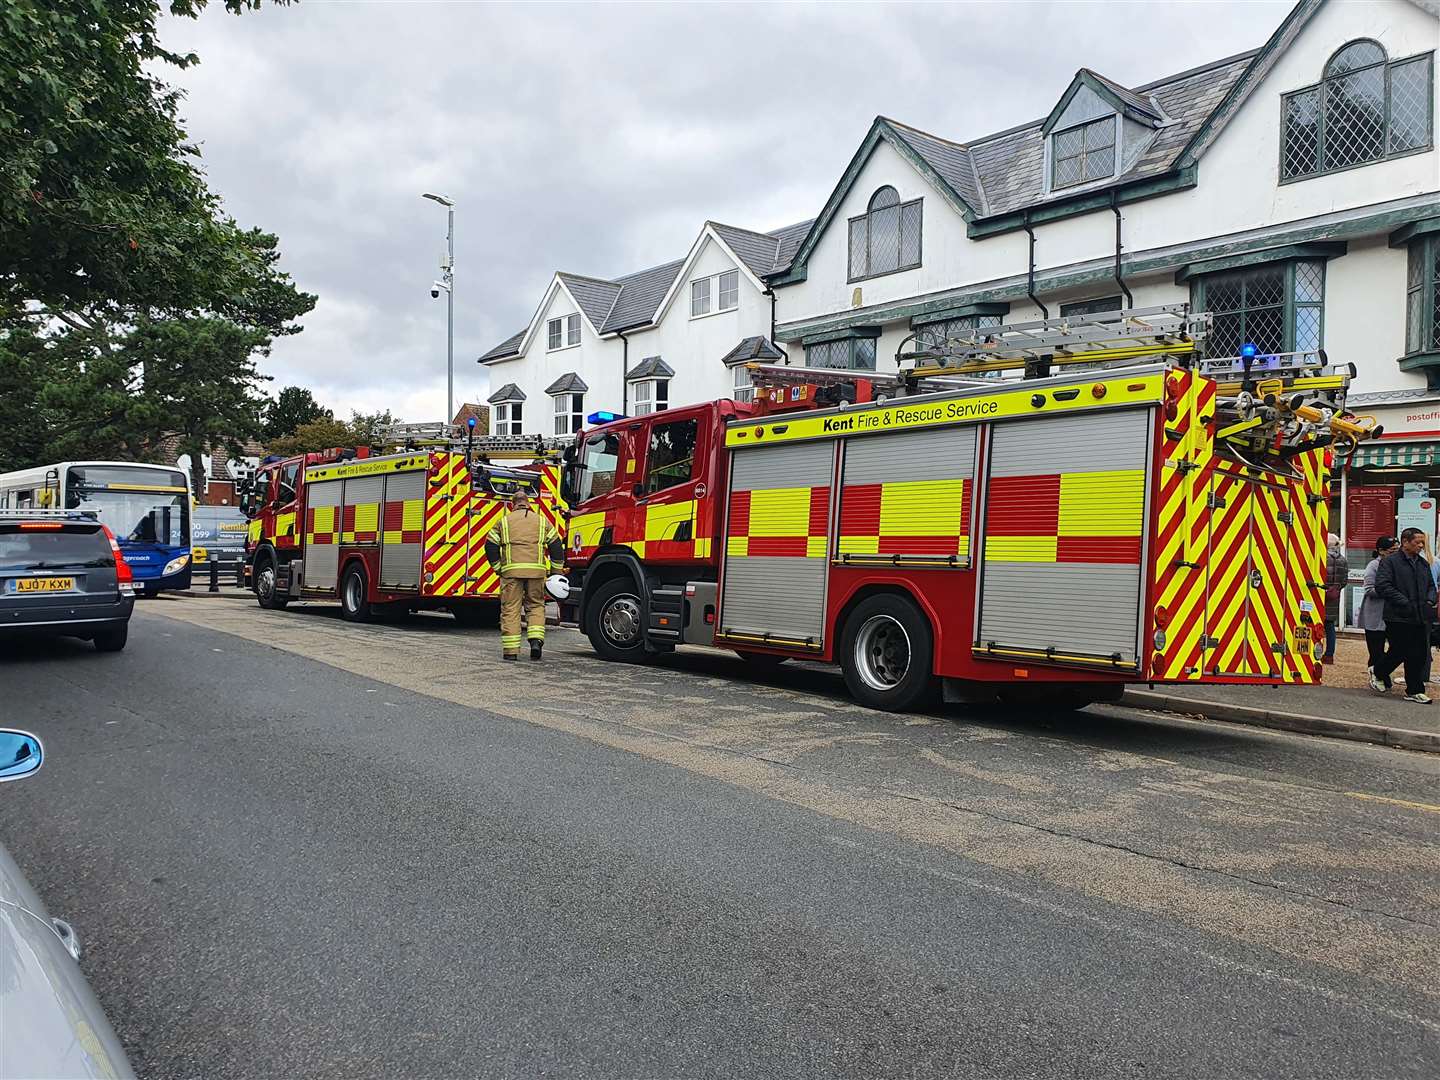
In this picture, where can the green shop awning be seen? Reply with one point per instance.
(1380, 453)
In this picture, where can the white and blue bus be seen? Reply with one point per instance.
(147, 507)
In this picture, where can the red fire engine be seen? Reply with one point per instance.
(983, 524)
(399, 532)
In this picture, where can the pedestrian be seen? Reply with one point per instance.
(1372, 607)
(1404, 583)
(521, 548)
(1337, 575)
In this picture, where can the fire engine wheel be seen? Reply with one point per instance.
(885, 654)
(617, 622)
(354, 606)
(265, 590)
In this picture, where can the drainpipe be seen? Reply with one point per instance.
(1115, 206)
(771, 294)
(624, 371)
(1030, 273)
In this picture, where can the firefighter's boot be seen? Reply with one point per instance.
(535, 647)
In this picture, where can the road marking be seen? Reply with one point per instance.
(1427, 807)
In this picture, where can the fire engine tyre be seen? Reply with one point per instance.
(354, 607)
(615, 622)
(265, 591)
(886, 654)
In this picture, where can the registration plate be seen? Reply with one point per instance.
(45, 584)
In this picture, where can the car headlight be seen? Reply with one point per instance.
(176, 564)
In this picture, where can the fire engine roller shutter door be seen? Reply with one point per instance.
(1064, 523)
(322, 533)
(402, 535)
(777, 542)
(908, 494)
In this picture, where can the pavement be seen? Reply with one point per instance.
(298, 847)
(1343, 706)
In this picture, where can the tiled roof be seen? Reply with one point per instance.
(508, 392)
(626, 302)
(569, 383)
(595, 297)
(752, 348)
(505, 348)
(1131, 100)
(949, 159)
(652, 367)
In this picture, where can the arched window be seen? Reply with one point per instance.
(886, 237)
(1365, 108)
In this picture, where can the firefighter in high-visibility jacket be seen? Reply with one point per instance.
(521, 549)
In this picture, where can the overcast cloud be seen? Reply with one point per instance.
(594, 138)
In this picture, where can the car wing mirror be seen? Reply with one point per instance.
(20, 754)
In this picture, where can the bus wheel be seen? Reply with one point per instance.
(265, 585)
(354, 606)
(886, 654)
(616, 622)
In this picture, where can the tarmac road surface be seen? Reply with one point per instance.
(300, 848)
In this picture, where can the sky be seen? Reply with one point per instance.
(593, 138)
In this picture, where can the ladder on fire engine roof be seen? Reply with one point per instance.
(438, 435)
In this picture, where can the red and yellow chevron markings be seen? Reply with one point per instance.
(447, 505)
(1182, 522)
(1310, 505)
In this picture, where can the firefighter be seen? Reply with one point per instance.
(519, 549)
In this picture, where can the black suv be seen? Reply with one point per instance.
(62, 574)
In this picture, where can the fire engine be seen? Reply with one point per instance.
(1044, 510)
(396, 532)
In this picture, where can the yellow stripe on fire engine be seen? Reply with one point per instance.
(661, 522)
(1021, 548)
(909, 415)
(1102, 503)
(285, 524)
(780, 511)
(921, 507)
(367, 467)
(585, 529)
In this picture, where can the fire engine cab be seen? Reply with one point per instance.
(1043, 510)
(397, 532)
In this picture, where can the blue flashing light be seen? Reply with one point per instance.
(470, 422)
(604, 417)
(1249, 350)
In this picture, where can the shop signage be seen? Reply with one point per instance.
(1369, 515)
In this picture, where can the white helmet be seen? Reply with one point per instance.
(558, 586)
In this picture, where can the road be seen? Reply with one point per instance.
(296, 847)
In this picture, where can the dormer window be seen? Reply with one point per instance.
(886, 238)
(1366, 108)
(1083, 153)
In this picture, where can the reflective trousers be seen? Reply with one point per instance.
(515, 594)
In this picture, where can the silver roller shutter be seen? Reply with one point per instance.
(322, 560)
(1063, 536)
(780, 595)
(399, 559)
(908, 495)
(362, 492)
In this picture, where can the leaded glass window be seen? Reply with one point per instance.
(852, 354)
(1422, 296)
(937, 334)
(1083, 153)
(1090, 307)
(1277, 307)
(1364, 109)
(885, 238)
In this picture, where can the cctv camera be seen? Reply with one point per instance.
(434, 292)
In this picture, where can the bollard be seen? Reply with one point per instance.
(240, 574)
(214, 574)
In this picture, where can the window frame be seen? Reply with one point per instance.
(1113, 119)
(572, 329)
(657, 396)
(509, 413)
(741, 391)
(714, 286)
(900, 206)
(1067, 310)
(695, 297)
(1388, 65)
(554, 333)
(720, 290)
(694, 421)
(850, 343)
(569, 420)
(1290, 305)
(1425, 250)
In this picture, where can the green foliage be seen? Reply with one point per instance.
(131, 308)
(294, 406)
(367, 428)
(316, 435)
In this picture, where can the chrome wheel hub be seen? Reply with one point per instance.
(882, 652)
(621, 620)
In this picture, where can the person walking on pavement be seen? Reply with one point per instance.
(1337, 574)
(1404, 583)
(521, 548)
(1372, 607)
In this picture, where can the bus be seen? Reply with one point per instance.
(147, 507)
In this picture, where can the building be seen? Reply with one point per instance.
(639, 342)
(1293, 191)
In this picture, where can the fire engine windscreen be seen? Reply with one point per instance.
(602, 452)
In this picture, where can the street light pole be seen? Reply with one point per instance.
(447, 282)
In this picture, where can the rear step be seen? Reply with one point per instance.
(667, 613)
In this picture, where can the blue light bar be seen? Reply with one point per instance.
(604, 417)
(470, 422)
(1249, 350)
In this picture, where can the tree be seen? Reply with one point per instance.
(368, 429)
(316, 435)
(113, 249)
(294, 406)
